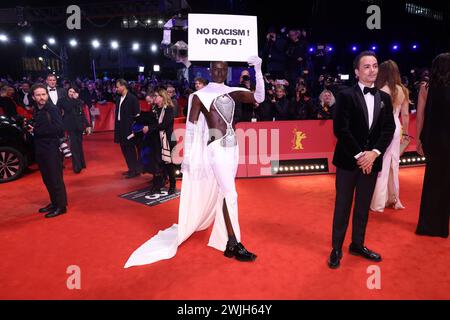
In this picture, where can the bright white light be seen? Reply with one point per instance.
(73, 43)
(3, 37)
(49, 68)
(28, 39)
(317, 167)
(291, 168)
(96, 44)
(302, 168)
(154, 48)
(51, 40)
(281, 168)
(156, 68)
(177, 172)
(135, 21)
(275, 169)
(135, 46)
(41, 59)
(114, 44)
(322, 167)
(307, 167)
(44, 46)
(160, 22)
(149, 21)
(296, 168)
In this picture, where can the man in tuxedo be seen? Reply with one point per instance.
(127, 107)
(54, 92)
(364, 126)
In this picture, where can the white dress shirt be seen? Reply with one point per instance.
(25, 100)
(120, 104)
(53, 95)
(370, 103)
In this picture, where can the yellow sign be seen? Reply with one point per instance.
(299, 136)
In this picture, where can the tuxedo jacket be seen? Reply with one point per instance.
(128, 111)
(351, 127)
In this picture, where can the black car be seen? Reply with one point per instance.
(16, 148)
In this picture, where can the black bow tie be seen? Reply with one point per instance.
(372, 90)
(54, 89)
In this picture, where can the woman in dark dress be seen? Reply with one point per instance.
(75, 123)
(435, 142)
(163, 129)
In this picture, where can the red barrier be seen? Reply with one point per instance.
(263, 142)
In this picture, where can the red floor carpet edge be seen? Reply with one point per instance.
(285, 221)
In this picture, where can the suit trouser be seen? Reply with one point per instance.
(76, 146)
(349, 183)
(50, 164)
(130, 154)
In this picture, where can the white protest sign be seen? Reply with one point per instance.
(220, 37)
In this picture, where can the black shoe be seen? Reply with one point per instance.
(171, 190)
(364, 252)
(47, 208)
(77, 171)
(56, 212)
(132, 175)
(335, 258)
(239, 252)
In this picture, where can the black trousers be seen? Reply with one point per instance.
(49, 159)
(130, 153)
(76, 146)
(169, 170)
(349, 183)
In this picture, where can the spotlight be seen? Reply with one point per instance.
(374, 48)
(114, 45)
(302, 168)
(395, 47)
(415, 46)
(423, 159)
(149, 21)
(160, 22)
(3, 37)
(95, 43)
(28, 39)
(317, 167)
(49, 68)
(291, 168)
(156, 68)
(354, 48)
(296, 168)
(51, 40)
(73, 43)
(41, 59)
(135, 46)
(311, 49)
(307, 167)
(275, 169)
(154, 48)
(322, 167)
(281, 168)
(329, 49)
(44, 46)
(135, 21)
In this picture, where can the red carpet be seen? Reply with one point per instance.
(286, 221)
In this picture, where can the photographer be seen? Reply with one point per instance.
(301, 106)
(75, 123)
(280, 104)
(275, 54)
(48, 131)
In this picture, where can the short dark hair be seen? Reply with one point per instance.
(51, 75)
(201, 80)
(214, 62)
(38, 86)
(360, 56)
(75, 88)
(122, 82)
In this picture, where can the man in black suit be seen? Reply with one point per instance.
(364, 126)
(23, 97)
(54, 92)
(127, 107)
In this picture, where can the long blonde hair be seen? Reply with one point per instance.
(389, 74)
(167, 101)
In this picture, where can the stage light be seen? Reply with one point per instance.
(317, 167)
(135, 46)
(281, 168)
(160, 22)
(296, 168)
(311, 49)
(44, 46)
(135, 21)
(149, 21)
(415, 46)
(374, 48)
(156, 68)
(329, 49)
(51, 40)
(322, 167)
(49, 68)
(423, 159)
(28, 39)
(95, 43)
(114, 45)
(41, 59)
(154, 48)
(395, 47)
(73, 43)
(307, 168)
(291, 168)
(302, 168)
(275, 169)
(354, 48)
(3, 37)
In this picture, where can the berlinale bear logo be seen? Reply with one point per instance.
(299, 136)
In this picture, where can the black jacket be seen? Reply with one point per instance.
(73, 116)
(128, 111)
(48, 123)
(352, 130)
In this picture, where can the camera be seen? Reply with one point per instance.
(64, 148)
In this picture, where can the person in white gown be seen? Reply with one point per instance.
(210, 161)
(387, 189)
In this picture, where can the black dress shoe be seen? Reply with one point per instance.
(56, 212)
(364, 252)
(132, 175)
(335, 258)
(239, 252)
(171, 190)
(47, 208)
